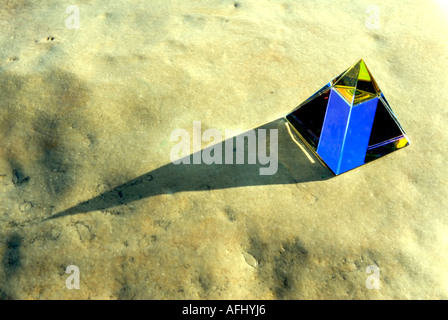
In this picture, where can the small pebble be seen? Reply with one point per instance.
(250, 259)
(18, 178)
(25, 206)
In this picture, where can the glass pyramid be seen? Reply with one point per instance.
(348, 122)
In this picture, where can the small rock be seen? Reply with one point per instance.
(25, 206)
(18, 178)
(250, 259)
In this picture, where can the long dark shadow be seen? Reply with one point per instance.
(294, 166)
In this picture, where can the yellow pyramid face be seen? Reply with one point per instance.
(357, 85)
(364, 74)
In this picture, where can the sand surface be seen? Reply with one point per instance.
(85, 110)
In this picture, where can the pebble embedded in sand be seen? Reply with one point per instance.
(19, 178)
(12, 59)
(250, 259)
(25, 206)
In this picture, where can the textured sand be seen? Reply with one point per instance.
(85, 110)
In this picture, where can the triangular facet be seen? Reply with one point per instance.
(364, 74)
(366, 86)
(385, 126)
(387, 134)
(357, 84)
(346, 85)
(350, 77)
(309, 118)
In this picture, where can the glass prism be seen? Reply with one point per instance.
(348, 122)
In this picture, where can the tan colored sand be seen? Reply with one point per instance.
(82, 111)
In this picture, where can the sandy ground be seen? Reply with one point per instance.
(85, 110)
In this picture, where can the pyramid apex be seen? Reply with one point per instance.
(360, 63)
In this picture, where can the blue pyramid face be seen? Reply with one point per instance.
(348, 122)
